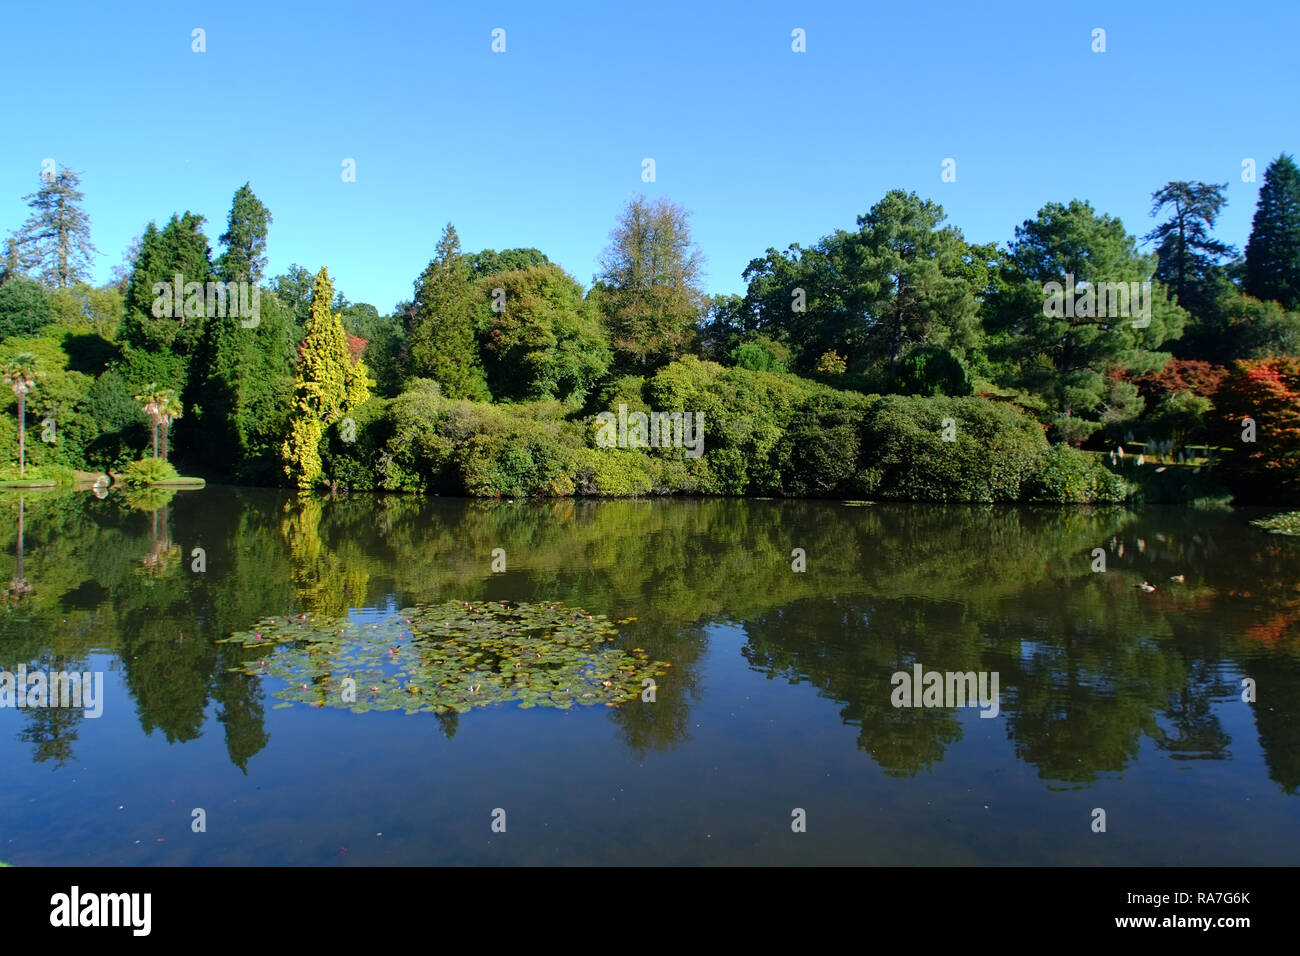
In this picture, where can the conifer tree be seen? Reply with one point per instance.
(55, 239)
(327, 387)
(1273, 252)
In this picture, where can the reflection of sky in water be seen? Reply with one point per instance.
(778, 696)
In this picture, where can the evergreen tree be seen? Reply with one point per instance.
(228, 352)
(441, 341)
(327, 387)
(245, 239)
(56, 237)
(1273, 252)
(912, 279)
(1064, 345)
(1189, 256)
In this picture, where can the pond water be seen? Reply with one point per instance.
(773, 735)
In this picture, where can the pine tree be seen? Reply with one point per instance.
(441, 341)
(1189, 256)
(1273, 252)
(327, 387)
(56, 237)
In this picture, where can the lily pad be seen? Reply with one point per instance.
(448, 657)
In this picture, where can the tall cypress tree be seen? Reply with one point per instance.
(1273, 252)
(56, 236)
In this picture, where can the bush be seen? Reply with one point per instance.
(931, 370)
(1066, 475)
(994, 449)
(148, 471)
(761, 354)
(46, 472)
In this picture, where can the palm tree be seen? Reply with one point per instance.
(169, 409)
(20, 374)
(152, 400)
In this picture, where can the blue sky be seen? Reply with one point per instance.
(542, 145)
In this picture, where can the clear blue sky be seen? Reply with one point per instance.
(542, 145)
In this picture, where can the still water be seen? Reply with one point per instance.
(779, 697)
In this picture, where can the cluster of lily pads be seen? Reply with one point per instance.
(1288, 523)
(449, 657)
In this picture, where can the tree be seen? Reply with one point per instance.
(651, 275)
(20, 374)
(489, 261)
(1189, 256)
(1064, 317)
(913, 281)
(245, 239)
(25, 307)
(56, 236)
(169, 409)
(805, 298)
(1258, 417)
(157, 324)
(441, 335)
(545, 341)
(294, 289)
(152, 401)
(1273, 251)
(327, 387)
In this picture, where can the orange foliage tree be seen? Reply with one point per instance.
(1257, 408)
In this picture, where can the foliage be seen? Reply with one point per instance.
(831, 363)
(1188, 255)
(761, 354)
(546, 341)
(55, 239)
(1273, 252)
(1067, 359)
(1267, 392)
(327, 386)
(649, 284)
(148, 471)
(932, 370)
(440, 334)
(25, 307)
(1066, 475)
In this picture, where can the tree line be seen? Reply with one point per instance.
(503, 354)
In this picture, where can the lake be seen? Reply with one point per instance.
(772, 736)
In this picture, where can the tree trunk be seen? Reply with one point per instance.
(165, 429)
(22, 435)
(155, 439)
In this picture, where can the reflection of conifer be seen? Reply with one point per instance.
(52, 730)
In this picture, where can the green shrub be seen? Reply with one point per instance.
(994, 449)
(1066, 475)
(931, 370)
(46, 472)
(147, 471)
